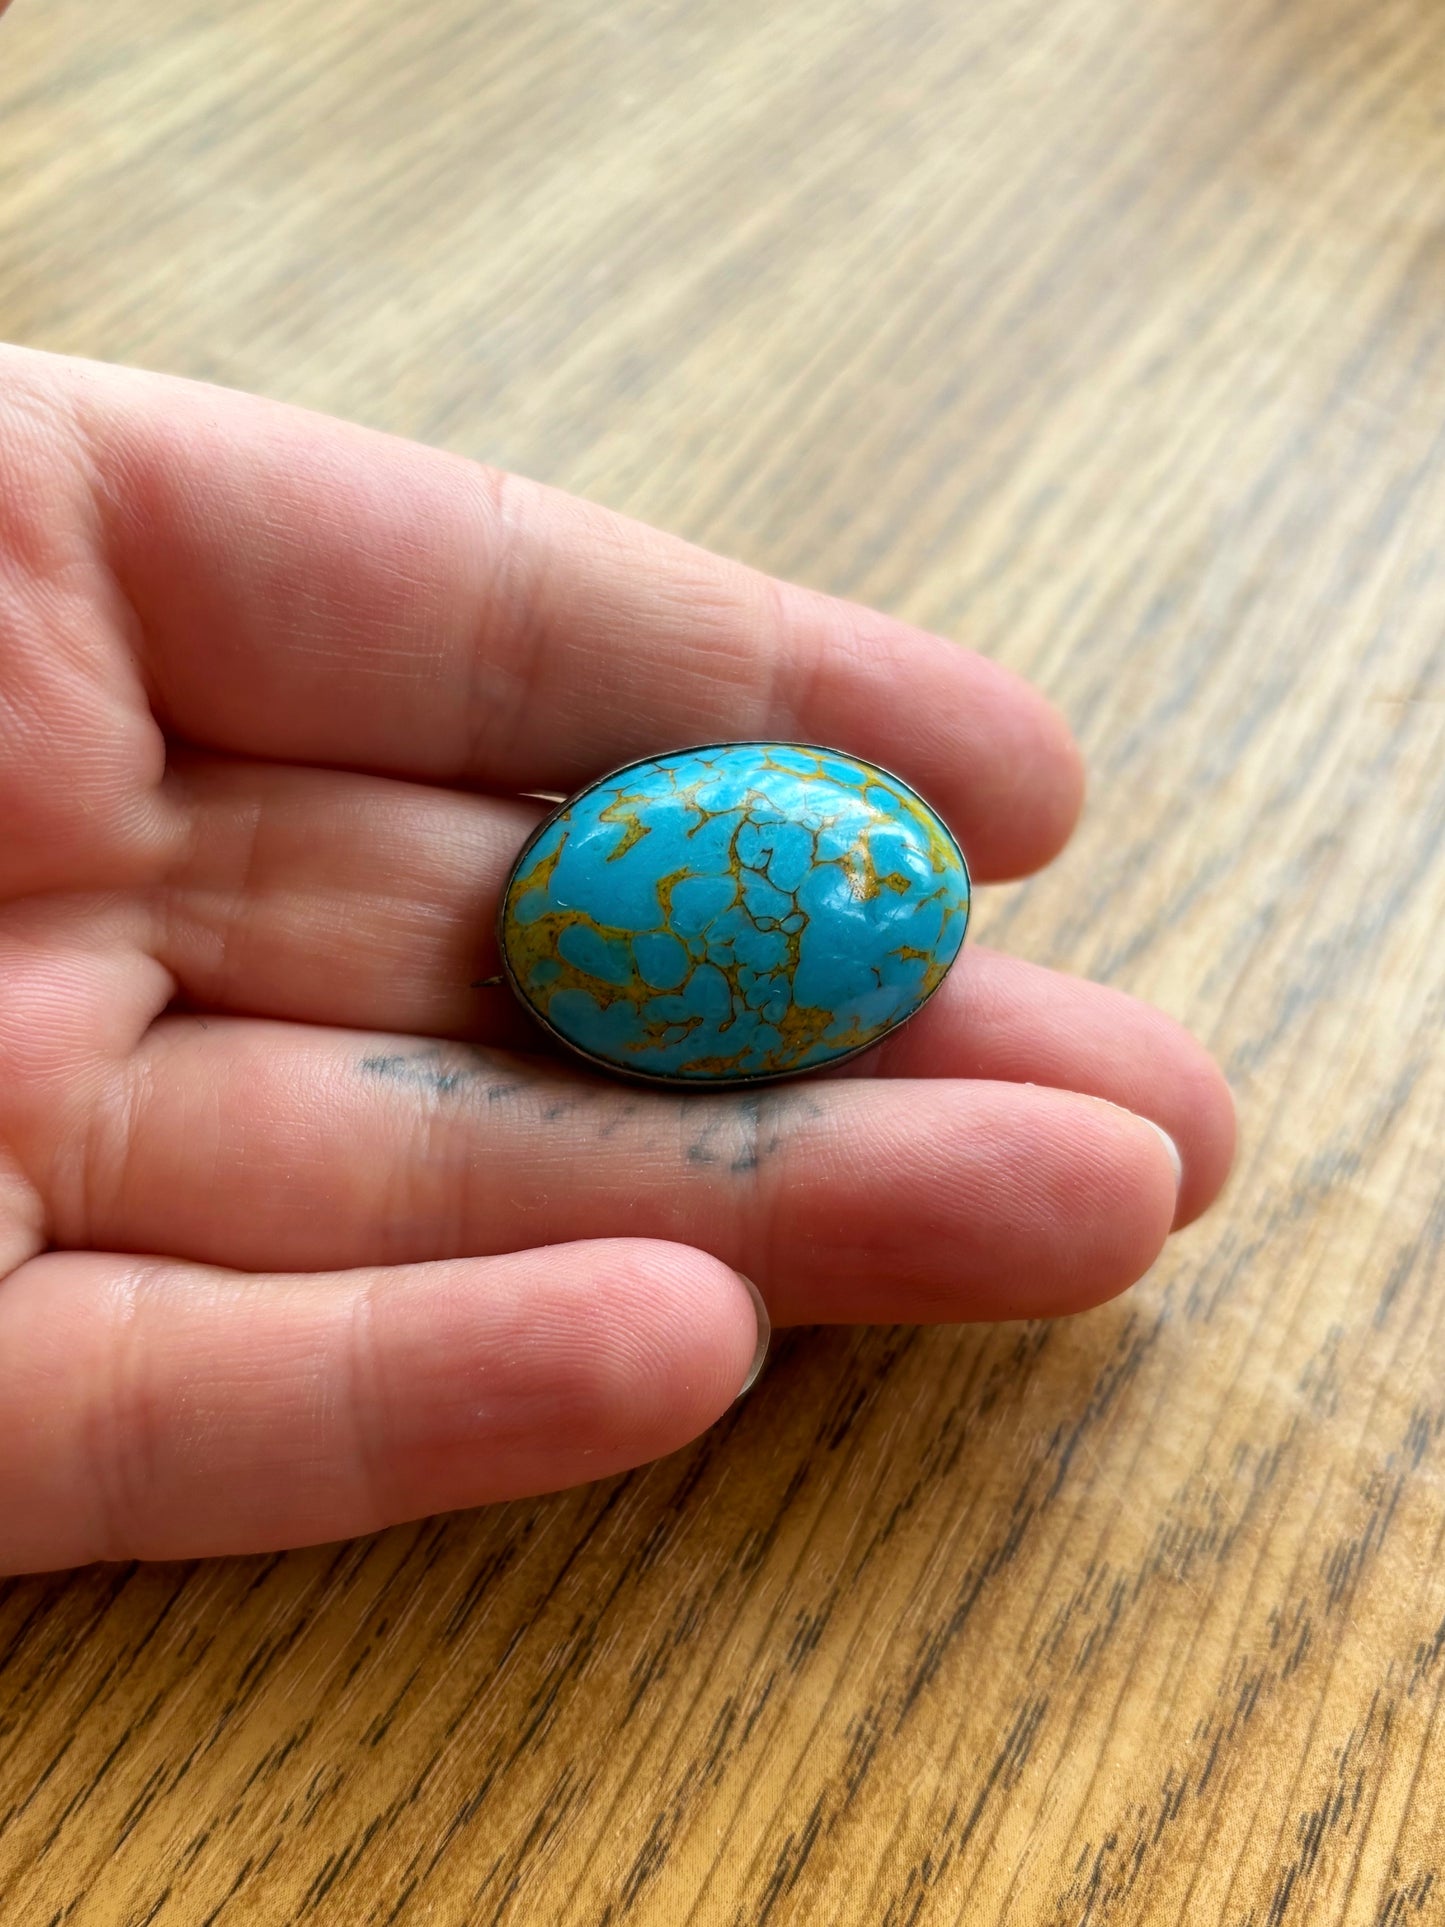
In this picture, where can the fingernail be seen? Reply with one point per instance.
(1169, 1145)
(765, 1335)
(1172, 1148)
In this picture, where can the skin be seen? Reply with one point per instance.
(300, 1232)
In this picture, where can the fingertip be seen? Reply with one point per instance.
(1028, 789)
(1208, 1124)
(689, 1338)
(977, 1201)
(1129, 1169)
(1189, 1100)
(985, 748)
(549, 1368)
(1059, 783)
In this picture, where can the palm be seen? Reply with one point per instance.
(272, 694)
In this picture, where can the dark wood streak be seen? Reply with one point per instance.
(1114, 338)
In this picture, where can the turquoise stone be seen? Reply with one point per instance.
(734, 913)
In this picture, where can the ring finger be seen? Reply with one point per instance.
(270, 1146)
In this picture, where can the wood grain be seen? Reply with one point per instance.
(1112, 338)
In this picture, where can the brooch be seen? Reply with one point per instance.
(733, 913)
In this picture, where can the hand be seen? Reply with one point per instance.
(282, 1257)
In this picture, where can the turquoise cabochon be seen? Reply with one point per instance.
(734, 913)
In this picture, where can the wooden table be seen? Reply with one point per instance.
(1111, 337)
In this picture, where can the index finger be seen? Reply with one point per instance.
(311, 591)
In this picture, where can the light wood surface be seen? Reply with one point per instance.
(1111, 337)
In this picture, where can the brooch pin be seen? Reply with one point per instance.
(733, 913)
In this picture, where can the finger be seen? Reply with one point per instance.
(355, 900)
(309, 591)
(341, 899)
(158, 1410)
(999, 1017)
(277, 1147)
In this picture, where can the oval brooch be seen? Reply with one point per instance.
(734, 913)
